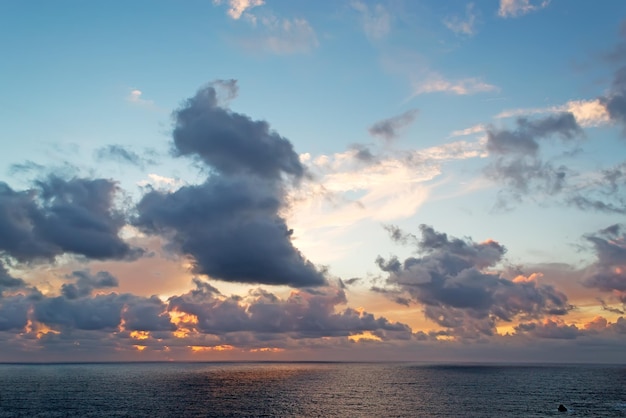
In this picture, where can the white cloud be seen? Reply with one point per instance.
(460, 25)
(238, 7)
(286, 36)
(348, 191)
(376, 21)
(135, 97)
(161, 183)
(476, 129)
(516, 8)
(436, 83)
(588, 113)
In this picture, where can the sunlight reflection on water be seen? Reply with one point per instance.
(309, 389)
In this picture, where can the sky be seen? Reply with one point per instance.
(278, 180)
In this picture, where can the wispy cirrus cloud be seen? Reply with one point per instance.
(272, 34)
(285, 36)
(236, 8)
(517, 8)
(360, 185)
(476, 129)
(376, 20)
(436, 83)
(463, 25)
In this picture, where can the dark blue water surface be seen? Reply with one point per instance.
(309, 390)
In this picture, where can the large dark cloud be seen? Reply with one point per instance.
(230, 225)
(232, 230)
(62, 216)
(8, 282)
(390, 128)
(516, 160)
(453, 282)
(230, 142)
(608, 273)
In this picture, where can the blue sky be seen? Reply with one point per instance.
(480, 144)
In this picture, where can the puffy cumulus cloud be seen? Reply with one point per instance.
(555, 328)
(232, 229)
(549, 328)
(516, 159)
(304, 314)
(86, 283)
(608, 273)
(453, 281)
(200, 320)
(232, 143)
(8, 282)
(58, 216)
(390, 128)
(516, 8)
(230, 225)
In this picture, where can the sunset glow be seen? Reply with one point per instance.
(359, 180)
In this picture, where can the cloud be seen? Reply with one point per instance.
(601, 192)
(230, 225)
(8, 282)
(135, 97)
(376, 21)
(86, 283)
(60, 216)
(389, 128)
(452, 280)
(615, 101)
(588, 113)
(476, 129)
(549, 328)
(232, 143)
(523, 140)
(608, 273)
(435, 83)
(232, 229)
(304, 314)
(388, 186)
(121, 154)
(284, 36)
(516, 8)
(516, 160)
(239, 7)
(464, 26)
(99, 312)
(201, 319)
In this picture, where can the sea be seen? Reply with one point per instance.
(310, 390)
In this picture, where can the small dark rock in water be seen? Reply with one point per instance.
(561, 408)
